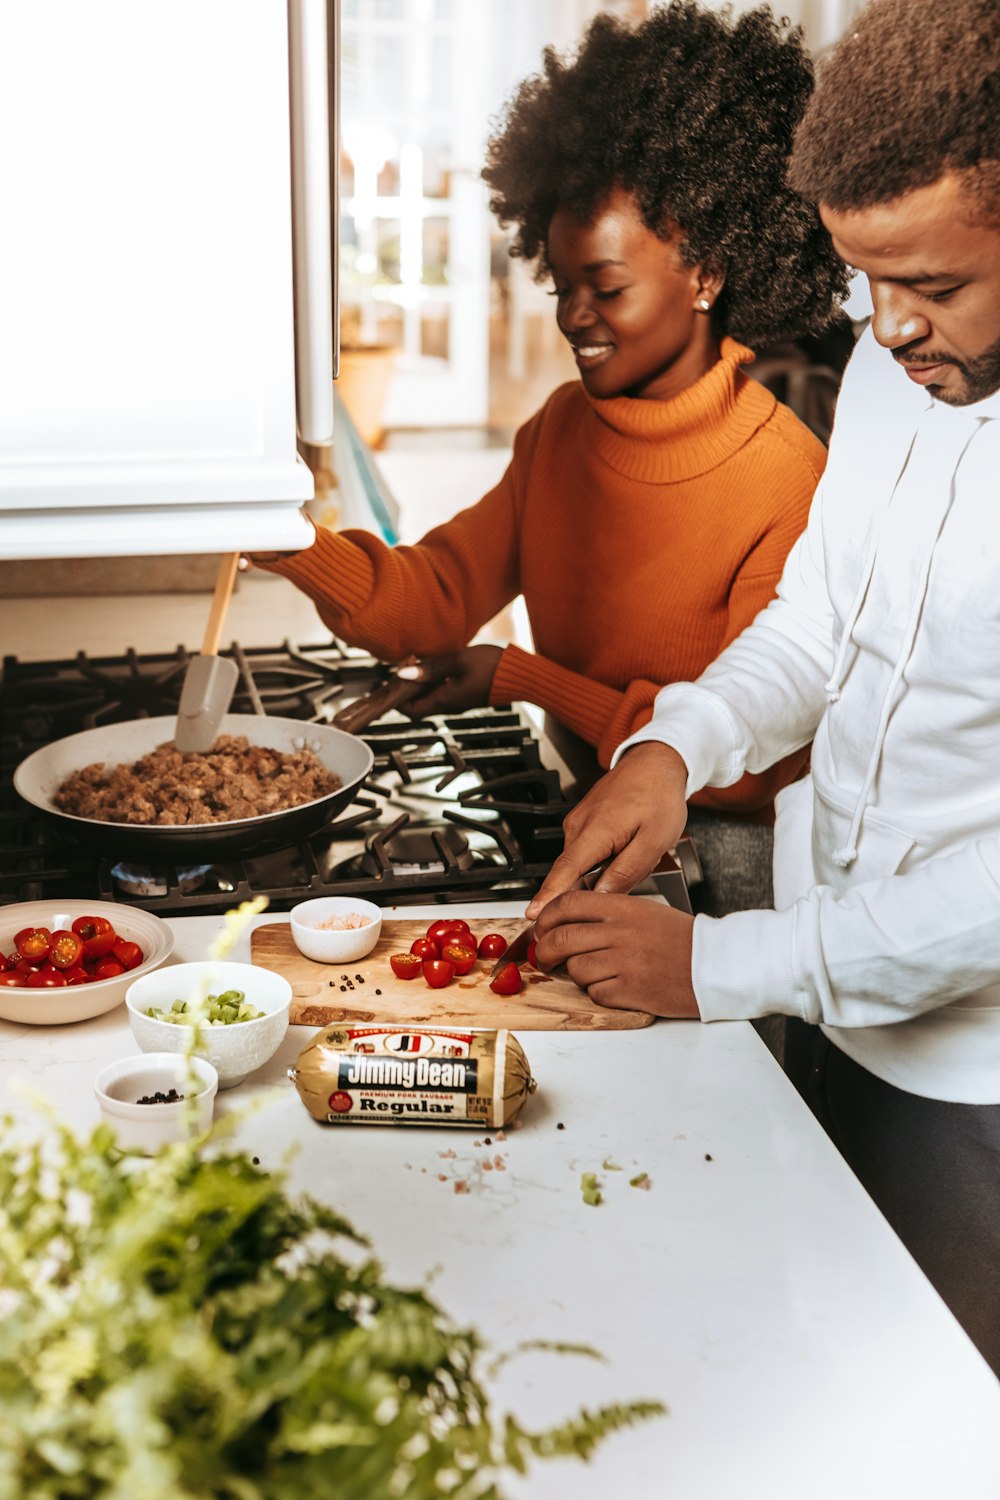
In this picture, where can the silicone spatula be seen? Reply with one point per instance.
(211, 679)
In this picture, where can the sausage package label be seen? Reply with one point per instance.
(392, 1075)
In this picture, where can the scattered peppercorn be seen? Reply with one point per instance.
(256, 1161)
(378, 992)
(708, 1156)
(560, 1126)
(160, 1098)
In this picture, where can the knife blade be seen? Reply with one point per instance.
(517, 949)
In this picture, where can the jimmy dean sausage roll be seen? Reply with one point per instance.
(393, 1075)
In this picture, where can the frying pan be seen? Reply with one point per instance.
(39, 776)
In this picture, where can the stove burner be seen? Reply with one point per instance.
(136, 881)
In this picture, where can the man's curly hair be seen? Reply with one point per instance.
(911, 92)
(693, 113)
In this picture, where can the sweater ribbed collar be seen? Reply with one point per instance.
(662, 442)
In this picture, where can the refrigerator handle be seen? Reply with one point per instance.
(313, 34)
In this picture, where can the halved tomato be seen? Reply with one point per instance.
(46, 979)
(128, 954)
(97, 934)
(405, 965)
(508, 981)
(33, 943)
(66, 949)
(461, 957)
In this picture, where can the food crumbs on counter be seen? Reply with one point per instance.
(461, 1186)
(486, 1164)
(448, 1155)
(589, 1189)
(501, 1135)
(442, 1177)
(641, 1180)
(499, 1163)
(477, 1143)
(610, 1166)
(708, 1156)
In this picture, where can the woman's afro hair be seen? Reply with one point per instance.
(693, 113)
(911, 92)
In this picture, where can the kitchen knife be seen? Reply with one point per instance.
(210, 680)
(517, 949)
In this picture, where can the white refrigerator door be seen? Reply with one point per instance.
(147, 377)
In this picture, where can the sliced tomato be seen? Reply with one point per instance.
(461, 958)
(66, 949)
(438, 972)
(77, 975)
(405, 965)
(128, 954)
(424, 948)
(508, 981)
(531, 955)
(108, 968)
(97, 934)
(493, 945)
(33, 943)
(448, 930)
(46, 979)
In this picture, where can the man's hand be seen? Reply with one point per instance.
(626, 822)
(461, 679)
(626, 952)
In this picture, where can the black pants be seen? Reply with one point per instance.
(932, 1168)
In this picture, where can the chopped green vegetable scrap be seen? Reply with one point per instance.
(220, 1010)
(641, 1180)
(590, 1189)
(187, 1331)
(609, 1165)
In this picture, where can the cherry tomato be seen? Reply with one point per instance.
(508, 981)
(448, 930)
(97, 934)
(12, 980)
(46, 979)
(129, 955)
(425, 949)
(33, 943)
(405, 965)
(438, 973)
(493, 945)
(108, 968)
(531, 955)
(66, 949)
(461, 958)
(77, 975)
(5, 963)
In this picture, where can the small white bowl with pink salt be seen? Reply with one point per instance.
(335, 929)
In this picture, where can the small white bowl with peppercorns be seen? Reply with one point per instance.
(63, 961)
(158, 1097)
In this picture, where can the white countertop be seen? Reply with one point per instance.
(755, 1290)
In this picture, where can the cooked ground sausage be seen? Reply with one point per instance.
(232, 781)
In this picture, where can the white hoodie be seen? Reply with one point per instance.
(883, 647)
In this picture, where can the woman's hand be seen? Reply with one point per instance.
(626, 822)
(461, 679)
(626, 952)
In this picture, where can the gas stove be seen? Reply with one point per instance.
(457, 807)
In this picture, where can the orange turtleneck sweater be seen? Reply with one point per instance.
(644, 536)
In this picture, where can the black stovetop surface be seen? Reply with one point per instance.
(458, 807)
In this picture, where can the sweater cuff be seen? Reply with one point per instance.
(523, 676)
(741, 966)
(333, 571)
(695, 724)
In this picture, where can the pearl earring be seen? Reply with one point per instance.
(704, 304)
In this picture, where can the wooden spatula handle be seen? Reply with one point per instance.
(228, 564)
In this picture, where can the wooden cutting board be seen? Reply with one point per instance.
(548, 1002)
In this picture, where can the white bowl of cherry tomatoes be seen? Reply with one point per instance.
(63, 961)
(449, 950)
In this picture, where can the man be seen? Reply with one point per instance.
(883, 648)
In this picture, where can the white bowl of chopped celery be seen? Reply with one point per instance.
(244, 1014)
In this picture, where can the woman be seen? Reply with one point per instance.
(649, 507)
